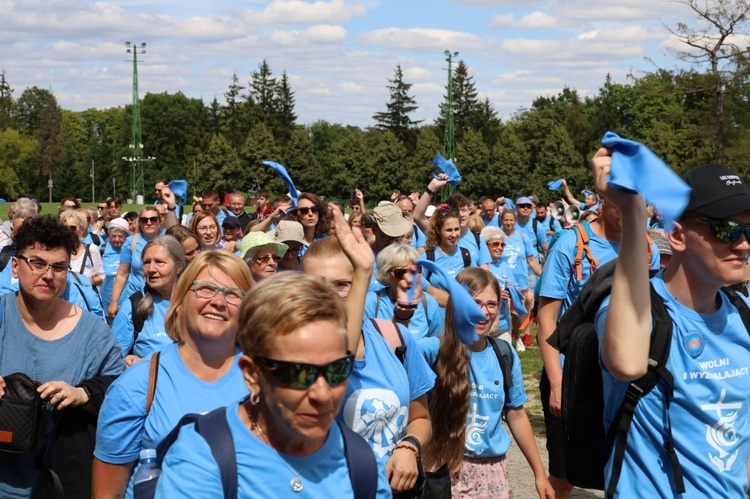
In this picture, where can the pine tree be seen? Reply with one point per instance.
(401, 105)
(6, 102)
(232, 127)
(285, 117)
(465, 101)
(263, 93)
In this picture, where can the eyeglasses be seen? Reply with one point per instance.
(73, 228)
(724, 230)
(151, 220)
(266, 258)
(293, 250)
(207, 228)
(308, 209)
(491, 306)
(496, 244)
(302, 376)
(101, 207)
(40, 266)
(206, 290)
(399, 273)
(527, 206)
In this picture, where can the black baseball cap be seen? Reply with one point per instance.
(717, 192)
(231, 222)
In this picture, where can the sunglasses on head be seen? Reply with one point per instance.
(302, 376)
(451, 212)
(266, 258)
(153, 220)
(308, 209)
(724, 230)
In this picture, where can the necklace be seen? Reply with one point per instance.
(295, 483)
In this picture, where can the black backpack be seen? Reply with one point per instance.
(5, 255)
(587, 445)
(138, 319)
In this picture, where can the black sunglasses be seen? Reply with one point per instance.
(724, 230)
(153, 220)
(524, 205)
(302, 376)
(308, 209)
(451, 212)
(399, 273)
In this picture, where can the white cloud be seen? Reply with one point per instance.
(421, 39)
(535, 20)
(284, 12)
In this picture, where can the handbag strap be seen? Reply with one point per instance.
(153, 373)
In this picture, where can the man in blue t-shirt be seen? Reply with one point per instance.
(709, 357)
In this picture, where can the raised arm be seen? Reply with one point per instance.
(360, 199)
(628, 325)
(419, 210)
(568, 195)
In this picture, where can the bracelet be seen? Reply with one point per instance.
(414, 441)
(406, 308)
(429, 191)
(415, 451)
(172, 208)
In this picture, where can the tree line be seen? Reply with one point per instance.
(677, 113)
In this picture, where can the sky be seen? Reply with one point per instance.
(339, 55)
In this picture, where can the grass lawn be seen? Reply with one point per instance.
(531, 365)
(51, 208)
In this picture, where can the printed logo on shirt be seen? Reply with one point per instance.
(512, 251)
(722, 435)
(476, 426)
(694, 344)
(378, 416)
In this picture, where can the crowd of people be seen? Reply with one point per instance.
(130, 322)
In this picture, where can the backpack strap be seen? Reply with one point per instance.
(466, 255)
(582, 250)
(86, 254)
(138, 319)
(476, 237)
(392, 335)
(77, 284)
(661, 341)
(505, 358)
(430, 255)
(96, 239)
(5, 255)
(153, 374)
(740, 305)
(360, 459)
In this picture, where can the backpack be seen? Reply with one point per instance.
(214, 428)
(5, 255)
(138, 319)
(587, 445)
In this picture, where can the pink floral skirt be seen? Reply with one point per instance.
(480, 478)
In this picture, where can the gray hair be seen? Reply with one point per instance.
(25, 213)
(490, 233)
(79, 219)
(174, 248)
(392, 256)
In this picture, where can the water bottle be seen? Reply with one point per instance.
(149, 468)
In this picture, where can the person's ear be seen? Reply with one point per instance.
(676, 237)
(250, 374)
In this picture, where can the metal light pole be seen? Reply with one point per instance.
(93, 191)
(136, 158)
(448, 138)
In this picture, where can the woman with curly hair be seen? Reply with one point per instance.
(469, 400)
(442, 244)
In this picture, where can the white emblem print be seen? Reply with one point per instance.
(476, 425)
(722, 435)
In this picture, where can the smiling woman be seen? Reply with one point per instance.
(196, 374)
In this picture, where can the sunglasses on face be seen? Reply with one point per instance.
(497, 244)
(724, 230)
(266, 258)
(147, 220)
(102, 207)
(527, 206)
(73, 228)
(302, 376)
(399, 273)
(308, 209)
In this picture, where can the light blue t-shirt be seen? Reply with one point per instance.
(152, 337)
(136, 280)
(536, 238)
(418, 238)
(450, 264)
(485, 435)
(493, 222)
(426, 326)
(480, 253)
(505, 278)
(88, 350)
(376, 403)
(77, 291)
(111, 262)
(517, 249)
(550, 224)
(710, 361)
(189, 469)
(124, 429)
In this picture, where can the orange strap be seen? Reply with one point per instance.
(530, 317)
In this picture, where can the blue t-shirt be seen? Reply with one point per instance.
(426, 326)
(517, 249)
(536, 238)
(77, 291)
(485, 435)
(550, 224)
(152, 337)
(450, 264)
(376, 403)
(505, 278)
(111, 262)
(480, 253)
(88, 350)
(710, 361)
(189, 469)
(124, 429)
(493, 222)
(418, 238)
(136, 280)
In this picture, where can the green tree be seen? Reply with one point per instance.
(465, 101)
(509, 162)
(473, 162)
(260, 146)
(6, 102)
(232, 117)
(396, 118)
(219, 167)
(263, 88)
(18, 156)
(285, 117)
(420, 163)
(385, 169)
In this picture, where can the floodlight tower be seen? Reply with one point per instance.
(448, 138)
(136, 158)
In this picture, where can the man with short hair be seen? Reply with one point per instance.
(706, 412)
(210, 202)
(551, 225)
(237, 209)
(488, 214)
(115, 206)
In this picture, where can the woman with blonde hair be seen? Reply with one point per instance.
(197, 373)
(469, 400)
(86, 259)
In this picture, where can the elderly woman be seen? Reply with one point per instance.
(426, 324)
(69, 351)
(139, 325)
(196, 374)
(386, 399)
(206, 226)
(296, 364)
(86, 259)
(495, 239)
(129, 278)
(118, 230)
(262, 254)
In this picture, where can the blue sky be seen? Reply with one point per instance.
(338, 54)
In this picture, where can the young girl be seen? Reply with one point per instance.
(468, 402)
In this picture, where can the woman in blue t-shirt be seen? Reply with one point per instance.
(163, 262)
(117, 231)
(467, 411)
(495, 239)
(196, 374)
(442, 246)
